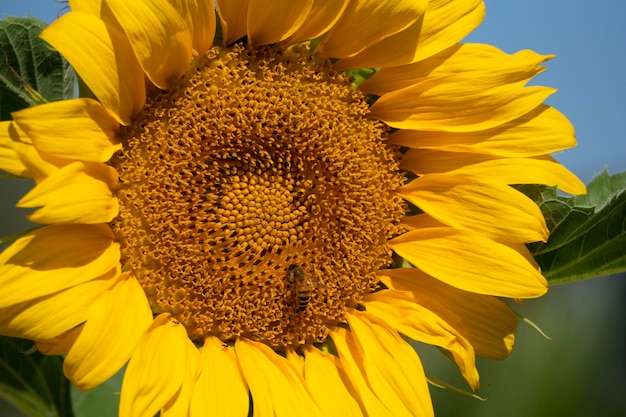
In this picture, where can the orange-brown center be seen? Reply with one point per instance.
(256, 197)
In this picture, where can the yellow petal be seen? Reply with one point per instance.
(200, 18)
(541, 131)
(463, 89)
(295, 360)
(156, 370)
(470, 262)
(392, 367)
(322, 16)
(538, 170)
(61, 344)
(366, 22)
(471, 59)
(9, 158)
(179, 405)
(77, 129)
(353, 374)
(522, 250)
(48, 316)
(77, 193)
(116, 321)
(420, 221)
(158, 35)
(92, 7)
(104, 59)
(52, 258)
(486, 322)
(478, 204)
(271, 21)
(323, 380)
(399, 310)
(443, 24)
(423, 107)
(447, 22)
(20, 157)
(233, 17)
(277, 388)
(220, 388)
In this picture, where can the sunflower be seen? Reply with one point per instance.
(229, 213)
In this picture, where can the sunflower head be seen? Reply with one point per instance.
(243, 195)
(242, 168)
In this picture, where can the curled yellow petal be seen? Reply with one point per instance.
(220, 387)
(486, 322)
(471, 262)
(117, 319)
(77, 193)
(52, 258)
(78, 129)
(400, 310)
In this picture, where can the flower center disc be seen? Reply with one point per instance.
(256, 164)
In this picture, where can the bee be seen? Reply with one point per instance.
(303, 285)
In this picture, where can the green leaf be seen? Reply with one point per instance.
(564, 218)
(588, 233)
(33, 383)
(102, 401)
(602, 189)
(31, 72)
(52, 369)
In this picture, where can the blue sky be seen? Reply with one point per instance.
(589, 42)
(588, 70)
